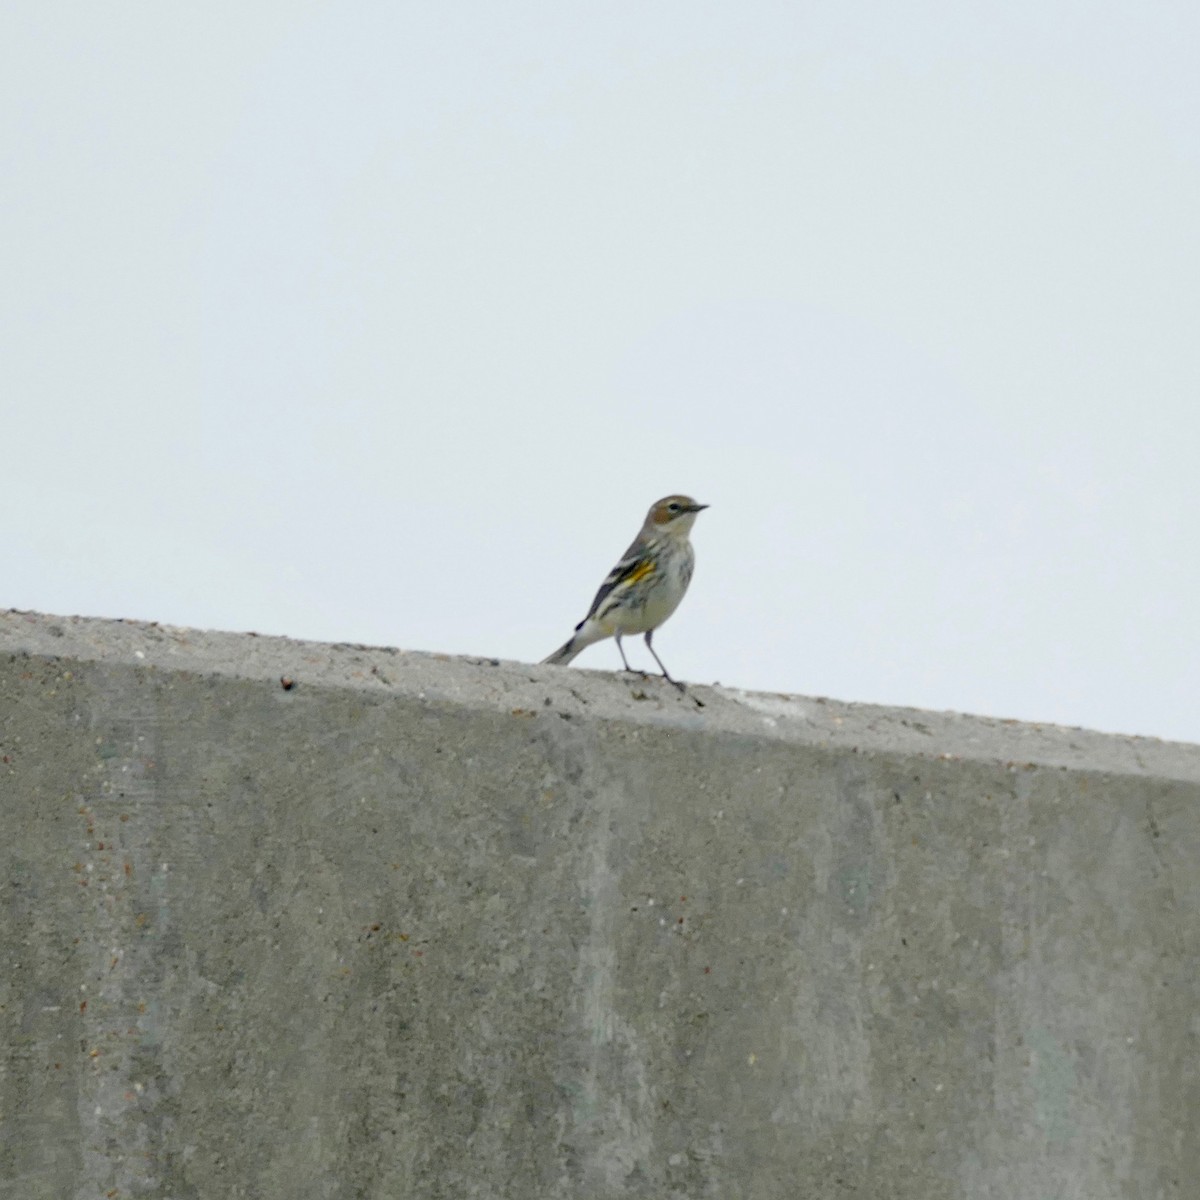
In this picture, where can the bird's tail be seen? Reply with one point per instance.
(585, 634)
(564, 653)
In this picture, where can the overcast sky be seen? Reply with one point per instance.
(385, 322)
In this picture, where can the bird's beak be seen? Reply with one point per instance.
(696, 507)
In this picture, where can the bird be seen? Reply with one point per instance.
(645, 587)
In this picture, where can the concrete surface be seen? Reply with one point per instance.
(430, 927)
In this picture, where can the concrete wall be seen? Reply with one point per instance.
(432, 927)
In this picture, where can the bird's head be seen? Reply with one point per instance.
(673, 514)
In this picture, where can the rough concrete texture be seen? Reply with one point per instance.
(433, 927)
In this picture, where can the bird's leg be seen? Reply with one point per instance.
(666, 676)
(621, 651)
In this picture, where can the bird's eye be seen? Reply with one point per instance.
(673, 507)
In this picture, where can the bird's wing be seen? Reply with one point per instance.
(634, 566)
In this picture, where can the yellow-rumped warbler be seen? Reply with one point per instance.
(645, 587)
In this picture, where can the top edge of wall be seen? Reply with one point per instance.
(525, 690)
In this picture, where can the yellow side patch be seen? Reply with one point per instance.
(640, 572)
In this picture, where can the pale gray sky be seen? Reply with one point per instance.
(385, 322)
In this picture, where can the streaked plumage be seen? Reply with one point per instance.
(645, 587)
